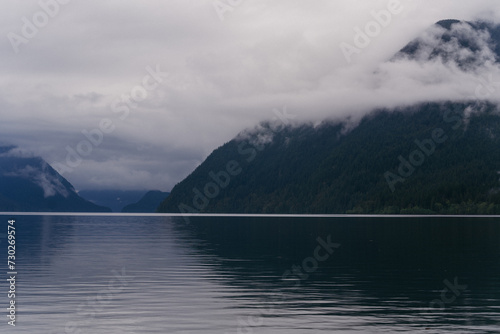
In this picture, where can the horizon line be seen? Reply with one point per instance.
(257, 215)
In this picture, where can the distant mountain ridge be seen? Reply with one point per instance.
(29, 183)
(114, 199)
(148, 203)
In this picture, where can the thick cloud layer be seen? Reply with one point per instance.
(86, 85)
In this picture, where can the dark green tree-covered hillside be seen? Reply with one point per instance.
(431, 158)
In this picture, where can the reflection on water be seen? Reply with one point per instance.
(257, 275)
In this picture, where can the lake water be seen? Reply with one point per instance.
(86, 274)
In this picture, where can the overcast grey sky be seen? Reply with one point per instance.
(229, 64)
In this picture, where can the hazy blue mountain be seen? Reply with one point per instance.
(114, 199)
(148, 203)
(29, 183)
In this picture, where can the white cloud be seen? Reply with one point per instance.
(225, 76)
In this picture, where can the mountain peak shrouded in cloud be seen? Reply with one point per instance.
(29, 183)
(446, 24)
(441, 147)
(16, 163)
(469, 45)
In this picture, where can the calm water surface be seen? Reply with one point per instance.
(254, 275)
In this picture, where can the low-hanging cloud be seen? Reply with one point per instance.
(224, 76)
